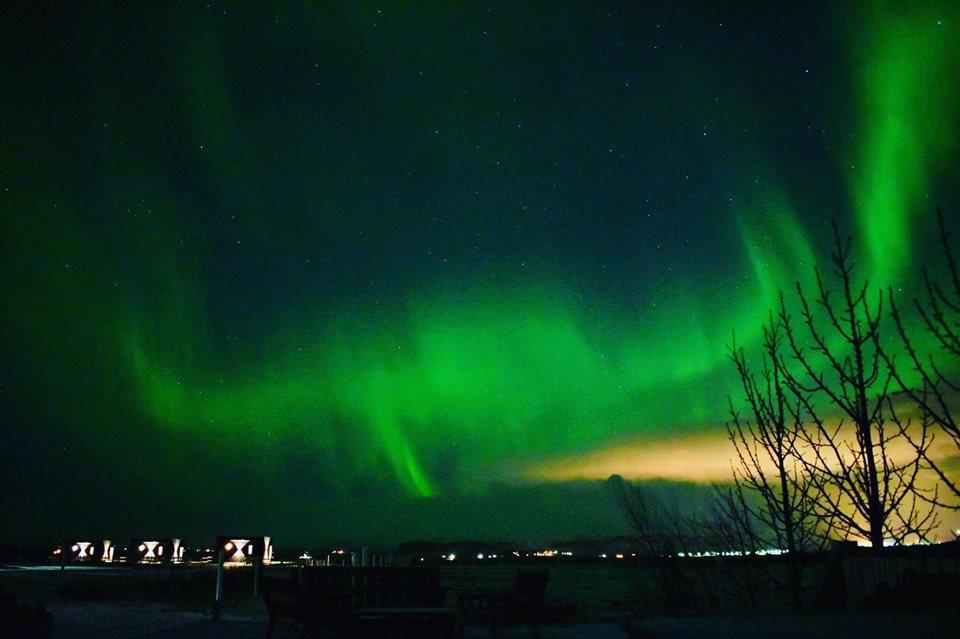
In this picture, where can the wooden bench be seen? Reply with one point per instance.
(522, 604)
(357, 601)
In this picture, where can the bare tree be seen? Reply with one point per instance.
(666, 534)
(772, 503)
(844, 391)
(644, 517)
(936, 391)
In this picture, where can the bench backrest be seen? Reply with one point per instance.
(529, 585)
(281, 596)
(380, 586)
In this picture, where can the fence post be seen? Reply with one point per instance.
(256, 576)
(218, 593)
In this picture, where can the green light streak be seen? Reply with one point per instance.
(909, 115)
(483, 377)
(431, 390)
(777, 248)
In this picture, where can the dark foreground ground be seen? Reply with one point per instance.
(583, 601)
(849, 625)
(251, 630)
(853, 626)
(816, 626)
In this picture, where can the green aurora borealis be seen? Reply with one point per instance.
(413, 252)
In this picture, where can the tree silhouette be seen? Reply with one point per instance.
(772, 502)
(841, 386)
(665, 532)
(940, 312)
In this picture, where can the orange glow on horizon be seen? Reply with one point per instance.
(705, 456)
(700, 457)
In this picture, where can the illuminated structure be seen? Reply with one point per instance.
(239, 549)
(156, 551)
(89, 551)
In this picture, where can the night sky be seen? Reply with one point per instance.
(384, 272)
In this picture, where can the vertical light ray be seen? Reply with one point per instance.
(909, 116)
